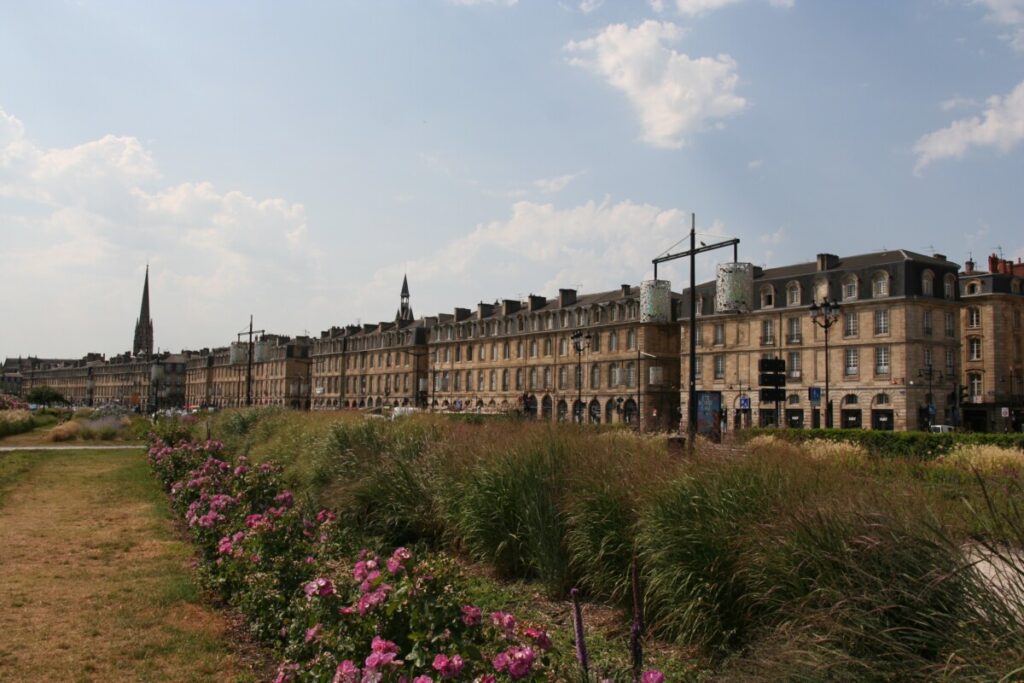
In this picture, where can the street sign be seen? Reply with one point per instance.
(771, 379)
(770, 395)
(814, 394)
(1005, 412)
(931, 410)
(744, 403)
(771, 365)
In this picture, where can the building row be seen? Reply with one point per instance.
(906, 341)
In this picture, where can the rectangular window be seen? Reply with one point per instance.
(767, 333)
(849, 290)
(950, 359)
(882, 360)
(793, 330)
(793, 365)
(928, 357)
(974, 348)
(719, 334)
(926, 323)
(852, 364)
(950, 326)
(697, 366)
(882, 321)
(719, 366)
(850, 325)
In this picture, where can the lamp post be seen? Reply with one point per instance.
(928, 373)
(580, 342)
(825, 316)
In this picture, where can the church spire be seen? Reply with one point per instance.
(143, 345)
(404, 311)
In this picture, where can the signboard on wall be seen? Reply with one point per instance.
(709, 413)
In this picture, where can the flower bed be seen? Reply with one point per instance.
(332, 612)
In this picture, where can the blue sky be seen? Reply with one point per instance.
(293, 160)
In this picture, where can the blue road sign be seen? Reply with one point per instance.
(814, 394)
(744, 403)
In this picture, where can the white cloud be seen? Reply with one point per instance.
(588, 6)
(957, 102)
(776, 237)
(755, 163)
(673, 94)
(556, 184)
(594, 246)
(698, 7)
(91, 215)
(1001, 126)
(1009, 13)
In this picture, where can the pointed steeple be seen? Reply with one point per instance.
(143, 345)
(404, 310)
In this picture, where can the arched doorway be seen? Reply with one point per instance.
(595, 412)
(882, 416)
(609, 411)
(629, 413)
(851, 414)
(545, 408)
(577, 412)
(563, 410)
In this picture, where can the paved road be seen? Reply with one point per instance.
(8, 449)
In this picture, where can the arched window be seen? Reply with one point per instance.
(881, 399)
(850, 400)
(928, 283)
(563, 346)
(533, 378)
(630, 374)
(494, 380)
(533, 348)
(793, 294)
(519, 379)
(519, 349)
(562, 376)
(613, 341)
(820, 289)
(767, 296)
(504, 380)
(851, 287)
(949, 286)
(547, 378)
(595, 376)
(880, 285)
(631, 339)
(547, 346)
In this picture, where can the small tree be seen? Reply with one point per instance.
(45, 395)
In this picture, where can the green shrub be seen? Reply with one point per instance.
(924, 445)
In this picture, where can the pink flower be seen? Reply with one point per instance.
(397, 559)
(540, 637)
(285, 499)
(325, 516)
(321, 586)
(448, 667)
(517, 661)
(653, 676)
(347, 672)
(255, 559)
(384, 653)
(423, 679)
(313, 633)
(505, 621)
(286, 673)
(470, 615)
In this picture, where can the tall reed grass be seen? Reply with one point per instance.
(793, 561)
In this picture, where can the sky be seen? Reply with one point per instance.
(292, 161)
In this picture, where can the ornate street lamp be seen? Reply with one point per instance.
(928, 372)
(580, 342)
(825, 316)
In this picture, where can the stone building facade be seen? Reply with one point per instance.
(992, 327)
(893, 350)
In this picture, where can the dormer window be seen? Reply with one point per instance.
(850, 287)
(793, 294)
(767, 297)
(949, 287)
(928, 283)
(880, 285)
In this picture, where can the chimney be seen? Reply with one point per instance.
(537, 302)
(510, 306)
(483, 310)
(566, 297)
(626, 290)
(969, 267)
(993, 263)
(827, 262)
(939, 257)
(461, 314)
(1004, 266)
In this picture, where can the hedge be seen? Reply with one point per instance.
(884, 443)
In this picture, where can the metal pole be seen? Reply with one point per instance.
(828, 404)
(639, 411)
(691, 423)
(248, 369)
(579, 379)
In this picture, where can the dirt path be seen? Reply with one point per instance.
(94, 585)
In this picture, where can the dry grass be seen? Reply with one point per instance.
(67, 431)
(985, 457)
(14, 415)
(93, 585)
